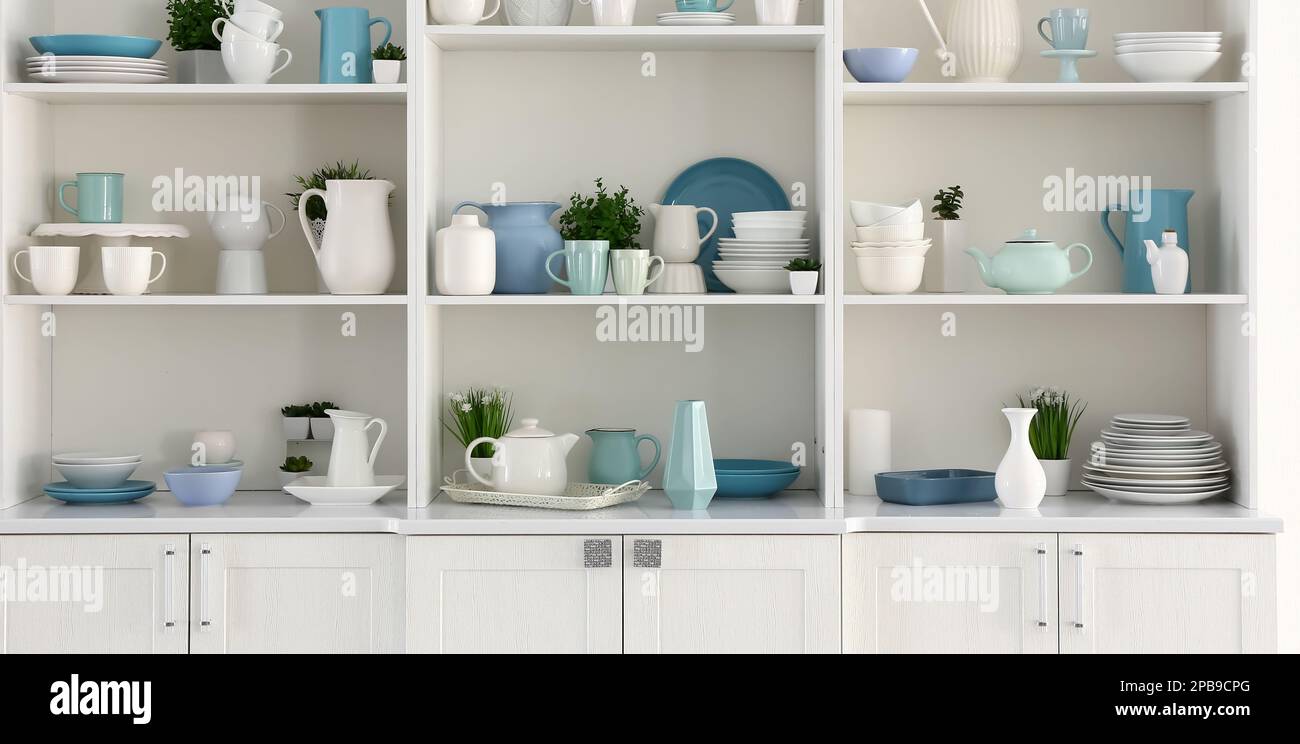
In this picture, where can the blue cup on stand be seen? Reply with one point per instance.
(345, 45)
(702, 6)
(1069, 28)
(99, 198)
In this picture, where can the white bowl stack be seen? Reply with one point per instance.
(754, 261)
(1156, 459)
(1168, 56)
(889, 246)
(93, 470)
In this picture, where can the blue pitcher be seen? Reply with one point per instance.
(345, 46)
(1164, 209)
(525, 239)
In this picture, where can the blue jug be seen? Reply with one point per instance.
(1165, 209)
(525, 239)
(345, 47)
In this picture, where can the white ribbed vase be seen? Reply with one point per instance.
(984, 39)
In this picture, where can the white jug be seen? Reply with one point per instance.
(677, 231)
(350, 466)
(235, 232)
(356, 256)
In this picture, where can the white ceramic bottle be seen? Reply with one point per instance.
(1021, 482)
(984, 39)
(1169, 264)
(465, 258)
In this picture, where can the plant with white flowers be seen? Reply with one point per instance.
(476, 413)
(1052, 427)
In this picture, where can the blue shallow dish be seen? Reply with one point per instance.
(880, 64)
(753, 486)
(133, 490)
(935, 487)
(754, 467)
(96, 45)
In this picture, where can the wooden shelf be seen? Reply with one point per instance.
(626, 38)
(1037, 94)
(610, 299)
(1054, 299)
(155, 300)
(271, 94)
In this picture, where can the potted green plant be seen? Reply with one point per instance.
(804, 273)
(296, 421)
(387, 64)
(602, 229)
(476, 413)
(189, 29)
(947, 269)
(293, 469)
(1050, 432)
(322, 426)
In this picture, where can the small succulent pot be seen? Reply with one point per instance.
(296, 428)
(322, 429)
(387, 71)
(804, 282)
(286, 478)
(1058, 476)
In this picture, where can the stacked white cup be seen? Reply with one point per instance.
(248, 46)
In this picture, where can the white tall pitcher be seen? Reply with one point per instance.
(356, 256)
(350, 465)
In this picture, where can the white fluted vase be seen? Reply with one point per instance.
(984, 39)
(1020, 481)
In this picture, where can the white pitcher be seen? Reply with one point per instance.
(356, 256)
(677, 231)
(350, 466)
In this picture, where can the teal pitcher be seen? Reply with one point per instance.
(345, 45)
(615, 458)
(1161, 210)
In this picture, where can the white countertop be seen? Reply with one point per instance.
(796, 512)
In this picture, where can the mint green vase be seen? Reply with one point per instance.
(689, 478)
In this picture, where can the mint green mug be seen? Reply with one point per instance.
(633, 270)
(587, 262)
(99, 198)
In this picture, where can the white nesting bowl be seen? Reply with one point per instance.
(1168, 67)
(897, 275)
(1165, 46)
(896, 251)
(891, 233)
(869, 214)
(97, 476)
(755, 282)
(769, 233)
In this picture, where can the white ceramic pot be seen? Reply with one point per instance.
(357, 255)
(296, 428)
(538, 12)
(1058, 476)
(804, 282)
(984, 38)
(287, 478)
(528, 460)
(202, 66)
(462, 12)
(386, 71)
(612, 12)
(947, 269)
(465, 257)
(322, 429)
(1020, 481)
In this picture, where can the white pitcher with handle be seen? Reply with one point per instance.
(356, 255)
(350, 465)
(677, 231)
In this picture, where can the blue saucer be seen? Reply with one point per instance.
(96, 45)
(132, 490)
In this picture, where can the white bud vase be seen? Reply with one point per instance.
(1020, 481)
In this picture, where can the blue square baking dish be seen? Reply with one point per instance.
(935, 487)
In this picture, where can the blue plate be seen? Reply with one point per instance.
(753, 486)
(96, 45)
(132, 491)
(727, 186)
(754, 467)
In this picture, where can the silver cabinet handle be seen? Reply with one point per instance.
(647, 553)
(1078, 585)
(169, 578)
(205, 557)
(597, 553)
(1042, 585)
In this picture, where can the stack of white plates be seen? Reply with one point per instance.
(706, 18)
(1168, 56)
(84, 69)
(754, 261)
(1156, 459)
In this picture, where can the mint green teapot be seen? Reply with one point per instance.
(1029, 266)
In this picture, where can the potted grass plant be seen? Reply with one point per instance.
(602, 229)
(293, 469)
(475, 413)
(804, 273)
(189, 29)
(387, 64)
(296, 421)
(1050, 432)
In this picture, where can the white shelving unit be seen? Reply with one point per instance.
(271, 94)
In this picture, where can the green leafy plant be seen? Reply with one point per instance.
(803, 264)
(390, 52)
(296, 411)
(297, 465)
(1052, 427)
(319, 179)
(189, 23)
(318, 409)
(479, 413)
(948, 203)
(615, 218)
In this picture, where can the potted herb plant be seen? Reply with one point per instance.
(387, 64)
(478, 413)
(1050, 432)
(296, 421)
(946, 267)
(804, 273)
(293, 469)
(601, 230)
(322, 426)
(198, 50)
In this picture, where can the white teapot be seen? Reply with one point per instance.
(528, 460)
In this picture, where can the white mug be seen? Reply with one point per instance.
(253, 62)
(461, 12)
(777, 12)
(213, 447)
(54, 268)
(126, 268)
(256, 6)
(612, 12)
(248, 27)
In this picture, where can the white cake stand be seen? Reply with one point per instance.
(91, 274)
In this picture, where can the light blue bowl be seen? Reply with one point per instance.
(753, 486)
(96, 45)
(206, 486)
(754, 467)
(880, 64)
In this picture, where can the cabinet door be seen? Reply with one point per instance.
(950, 593)
(296, 593)
(94, 594)
(1154, 594)
(514, 594)
(733, 594)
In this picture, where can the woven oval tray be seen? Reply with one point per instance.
(578, 496)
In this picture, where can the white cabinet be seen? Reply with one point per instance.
(296, 593)
(950, 593)
(89, 594)
(1168, 594)
(734, 594)
(536, 594)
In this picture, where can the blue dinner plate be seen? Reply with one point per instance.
(727, 186)
(96, 45)
(133, 490)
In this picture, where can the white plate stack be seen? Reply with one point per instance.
(705, 18)
(754, 261)
(890, 246)
(66, 69)
(1148, 458)
(1168, 56)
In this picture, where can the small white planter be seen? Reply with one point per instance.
(287, 478)
(947, 267)
(387, 71)
(201, 66)
(296, 428)
(804, 282)
(1058, 476)
(322, 429)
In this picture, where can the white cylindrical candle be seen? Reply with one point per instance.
(869, 448)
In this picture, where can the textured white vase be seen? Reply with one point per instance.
(1020, 481)
(984, 39)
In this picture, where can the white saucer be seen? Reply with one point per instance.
(312, 489)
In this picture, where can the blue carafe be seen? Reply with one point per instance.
(525, 239)
(345, 45)
(1163, 209)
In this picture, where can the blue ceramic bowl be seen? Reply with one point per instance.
(753, 486)
(96, 45)
(203, 486)
(934, 487)
(754, 467)
(880, 64)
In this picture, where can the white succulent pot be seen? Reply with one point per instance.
(201, 66)
(287, 478)
(387, 71)
(1058, 476)
(804, 282)
(322, 429)
(947, 267)
(1020, 481)
(296, 428)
